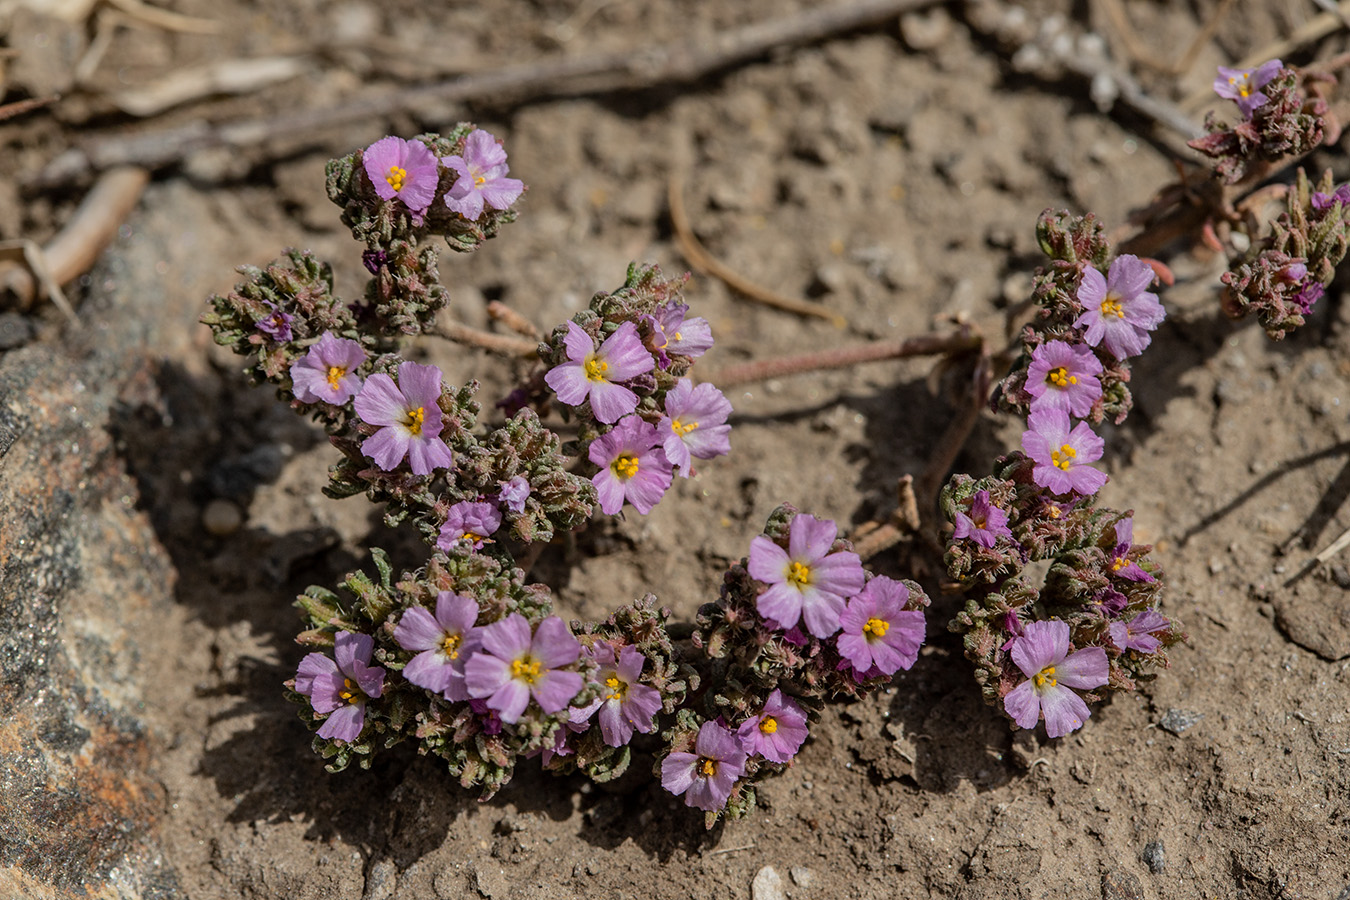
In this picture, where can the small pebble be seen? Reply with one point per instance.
(1154, 858)
(768, 885)
(1178, 720)
(222, 518)
(802, 876)
(1121, 886)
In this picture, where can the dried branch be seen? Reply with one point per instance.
(845, 357)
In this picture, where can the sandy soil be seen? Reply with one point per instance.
(896, 180)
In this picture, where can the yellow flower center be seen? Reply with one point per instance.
(617, 687)
(526, 668)
(1053, 511)
(479, 181)
(799, 574)
(335, 374)
(1119, 563)
(1060, 377)
(595, 368)
(768, 725)
(1111, 306)
(450, 645)
(1063, 457)
(1045, 677)
(876, 627)
(397, 177)
(625, 467)
(349, 692)
(678, 336)
(1244, 89)
(415, 419)
(680, 428)
(707, 767)
(471, 537)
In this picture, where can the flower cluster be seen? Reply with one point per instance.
(1094, 624)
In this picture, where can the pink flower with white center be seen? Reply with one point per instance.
(593, 374)
(408, 417)
(1064, 376)
(327, 373)
(340, 689)
(1061, 455)
(880, 636)
(482, 177)
(1243, 86)
(445, 642)
(514, 666)
(407, 170)
(694, 424)
(1042, 653)
(632, 467)
(778, 732)
(806, 582)
(1121, 311)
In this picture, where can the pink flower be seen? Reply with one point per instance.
(1061, 455)
(1042, 653)
(880, 636)
(694, 424)
(340, 689)
(707, 776)
(407, 170)
(985, 524)
(514, 666)
(1244, 85)
(778, 732)
(482, 177)
(1137, 634)
(625, 703)
(807, 581)
(409, 419)
(469, 522)
(1120, 310)
(445, 641)
(632, 467)
(327, 373)
(591, 374)
(1064, 376)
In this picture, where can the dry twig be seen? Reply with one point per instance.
(571, 75)
(846, 357)
(501, 344)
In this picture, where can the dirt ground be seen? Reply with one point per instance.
(893, 173)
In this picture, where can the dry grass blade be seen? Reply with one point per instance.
(165, 18)
(231, 76)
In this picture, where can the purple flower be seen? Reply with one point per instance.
(985, 524)
(1110, 603)
(778, 732)
(1308, 295)
(807, 581)
(1121, 564)
(1137, 634)
(624, 704)
(1061, 455)
(277, 324)
(880, 636)
(1244, 85)
(1310, 290)
(446, 641)
(470, 523)
(1064, 376)
(408, 417)
(672, 334)
(1042, 653)
(1120, 310)
(514, 666)
(514, 493)
(1341, 195)
(632, 467)
(374, 260)
(594, 374)
(482, 177)
(327, 373)
(706, 776)
(340, 689)
(407, 170)
(694, 423)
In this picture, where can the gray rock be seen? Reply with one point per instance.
(1154, 857)
(1178, 720)
(768, 885)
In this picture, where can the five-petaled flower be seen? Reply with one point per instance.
(1137, 634)
(340, 689)
(482, 177)
(1061, 455)
(276, 324)
(407, 170)
(327, 372)
(1121, 565)
(469, 523)
(985, 524)
(632, 467)
(1243, 86)
(445, 642)
(624, 703)
(778, 732)
(1042, 653)
(694, 424)
(408, 418)
(594, 374)
(880, 636)
(513, 665)
(806, 582)
(707, 776)
(1120, 310)
(672, 333)
(1064, 376)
